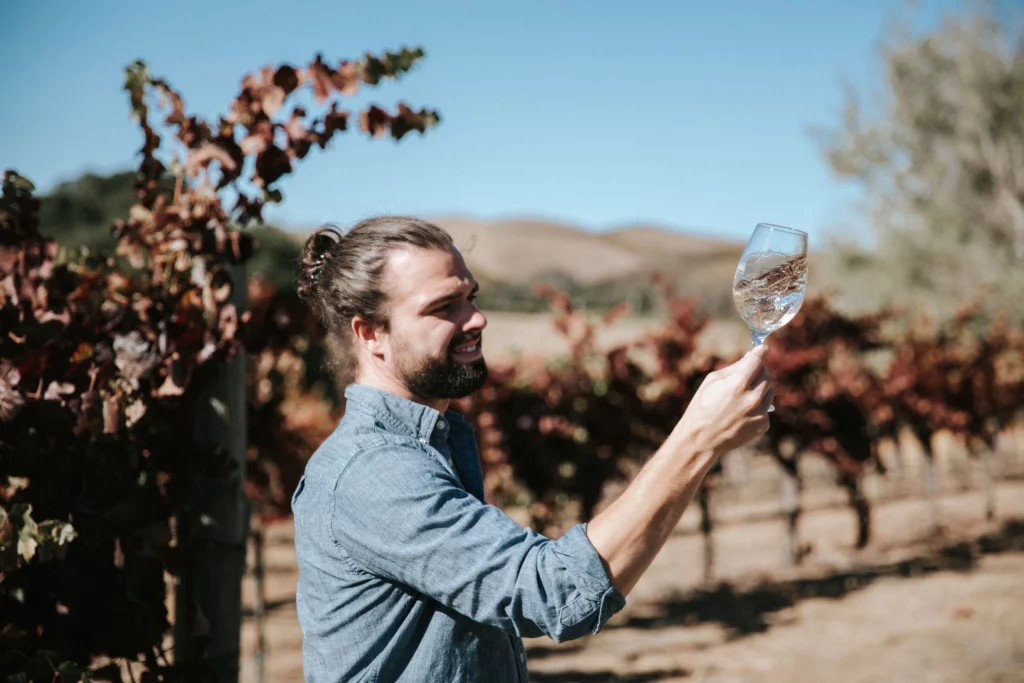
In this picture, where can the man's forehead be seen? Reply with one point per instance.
(425, 273)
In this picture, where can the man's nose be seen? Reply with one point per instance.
(477, 321)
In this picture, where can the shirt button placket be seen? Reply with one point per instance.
(440, 427)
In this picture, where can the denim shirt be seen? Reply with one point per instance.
(406, 574)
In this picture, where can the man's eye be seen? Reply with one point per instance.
(473, 297)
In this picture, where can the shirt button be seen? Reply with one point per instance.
(440, 424)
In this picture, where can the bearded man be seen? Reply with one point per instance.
(405, 572)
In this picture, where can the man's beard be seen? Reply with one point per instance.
(445, 378)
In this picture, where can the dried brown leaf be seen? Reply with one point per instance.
(320, 75)
(113, 417)
(118, 554)
(11, 399)
(273, 100)
(221, 285)
(336, 120)
(134, 356)
(134, 412)
(271, 164)
(346, 79)
(228, 323)
(56, 391)
(287, 78)
(375, 121)
(198, 158)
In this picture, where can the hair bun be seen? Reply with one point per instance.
(315, 253)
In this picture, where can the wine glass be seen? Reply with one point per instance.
(768, 288)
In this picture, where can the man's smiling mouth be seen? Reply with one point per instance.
(469, 348)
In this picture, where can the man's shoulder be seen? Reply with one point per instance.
(352, 441)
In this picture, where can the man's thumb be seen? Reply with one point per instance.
(760, 350)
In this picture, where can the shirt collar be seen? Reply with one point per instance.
(401, 414)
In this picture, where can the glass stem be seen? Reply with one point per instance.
(758, 338)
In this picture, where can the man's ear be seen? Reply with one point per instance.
(367, 335)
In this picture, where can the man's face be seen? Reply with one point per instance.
(434, 342)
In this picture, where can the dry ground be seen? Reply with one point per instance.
(532, 334)
(906, 609)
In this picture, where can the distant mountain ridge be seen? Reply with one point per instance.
(523, 249)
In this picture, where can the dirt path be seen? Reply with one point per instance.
(905, 609)
(957, 621)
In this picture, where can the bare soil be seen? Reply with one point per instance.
(911, 607)
(513, 335)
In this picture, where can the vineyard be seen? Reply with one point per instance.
(153, 398)
(555, 436)
(559, 439)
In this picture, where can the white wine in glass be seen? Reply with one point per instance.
(768, 288)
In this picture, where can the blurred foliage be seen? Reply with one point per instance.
(939, 157)
(82, 212)
(276, 256)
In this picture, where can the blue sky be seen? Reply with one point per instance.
(690, 115)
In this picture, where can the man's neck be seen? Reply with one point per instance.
(394, 386)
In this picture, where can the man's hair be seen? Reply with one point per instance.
(340, 276)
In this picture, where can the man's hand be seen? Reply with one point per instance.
(730, 408)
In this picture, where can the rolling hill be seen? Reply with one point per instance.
(523, 250)
(599, 268)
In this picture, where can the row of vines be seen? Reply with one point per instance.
(554, 436)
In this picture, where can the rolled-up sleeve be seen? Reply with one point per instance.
(399, 514)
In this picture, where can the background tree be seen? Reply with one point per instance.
(939, 156)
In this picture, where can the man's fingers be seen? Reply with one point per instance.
(748, 367)
(756, 393)
(764, 376)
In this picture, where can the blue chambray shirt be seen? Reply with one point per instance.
(406, 574)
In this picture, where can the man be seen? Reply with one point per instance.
(405, 573)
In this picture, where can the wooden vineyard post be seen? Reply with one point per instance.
(790, 505)
(985, 451)
(929, 471)
(705, 529)
(215, 523)
(260, 602)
